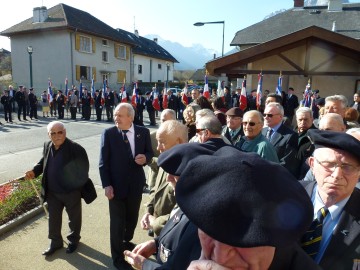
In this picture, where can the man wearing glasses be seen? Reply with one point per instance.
(64, 168)
(254, 141)
(336, 166)
(233, 130)
(283, 139)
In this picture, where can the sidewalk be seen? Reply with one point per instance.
(21, 248)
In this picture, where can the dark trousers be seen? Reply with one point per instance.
(98, 113)
(7, 112)
(109, 112)
(61, 111)
(86, 112)
(152, 118)
(73, 112)
(123, 219)
(71, 201)
(33, 111)
(53, 107)
(22, 107)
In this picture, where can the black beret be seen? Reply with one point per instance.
(337, 140)
(235, 111)
(320, 101)
(243, 200)
(175, 160)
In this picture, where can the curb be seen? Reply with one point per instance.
(19, 220)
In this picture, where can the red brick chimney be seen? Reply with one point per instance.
(298, 3)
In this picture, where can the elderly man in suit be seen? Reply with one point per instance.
(233, 129)
(281, 137)
(64, 168)
(336, 167)
(125, 149)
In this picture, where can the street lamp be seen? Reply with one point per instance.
(167, 74)
(30, 51)
(223, 22)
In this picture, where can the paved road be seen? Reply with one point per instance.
(21, 144)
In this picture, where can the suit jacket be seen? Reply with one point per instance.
(290, 105)
(285, 142)
(234, 139)
(74, 170)
(343, 251)
(162, 201)
(116, 168)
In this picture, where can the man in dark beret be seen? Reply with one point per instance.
(233, 129)
(257, 229)
(336, 167)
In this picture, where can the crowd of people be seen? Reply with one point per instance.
(229, 189)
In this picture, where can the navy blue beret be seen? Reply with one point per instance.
(337, 140)
(243, 200)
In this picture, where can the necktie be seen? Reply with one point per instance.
(310, 242)
(127, 144)
(269, 133)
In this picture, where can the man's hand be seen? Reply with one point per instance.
(140, 159)
(109, 192)
(205, 265)
(136, 261)
(29, 175)
(145, 221)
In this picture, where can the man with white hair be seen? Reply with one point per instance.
(336, 104)
(64, 168)
(332, 122)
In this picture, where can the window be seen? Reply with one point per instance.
(140, 69)
(105, 42)
(121, 52)
(159, 66)
(105, 57)
(85, 44)
(85, 73)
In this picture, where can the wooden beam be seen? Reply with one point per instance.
(291, 63)
(284, 72)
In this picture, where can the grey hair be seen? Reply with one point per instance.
(276, 105)
(261, 117)
(211, 123)
(174, 129)
(204, 112)
(129, 107)
(304, 110)
(55, 123)
(340, 98)
(170, 112)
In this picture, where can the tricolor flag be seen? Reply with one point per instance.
(155, 102)
(93, 87)
(220, 90)
(206, 92)
(123, 94)
(50, 93)
(66, 87)
(307, 95)
(278, 89)
(259, 91)
(243, 96)
(104, 85)
(134, 96)
(184, 97)
(165, 100)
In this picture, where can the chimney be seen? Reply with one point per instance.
(334, 26)
(155, 40)
(40, 14)
(136, 33)
(298, 3)
(335, 5)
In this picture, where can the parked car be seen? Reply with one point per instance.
(175, 90)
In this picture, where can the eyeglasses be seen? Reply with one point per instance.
(198, 130)
(331, 166)
(270, 114)
(61, 132)
(251, 124)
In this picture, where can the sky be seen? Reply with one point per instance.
(168, 19)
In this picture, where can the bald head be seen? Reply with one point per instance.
(333, 122)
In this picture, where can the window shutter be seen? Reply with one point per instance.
(77, 42)
(93, 40)
(127, 52)
(77, 72)
(94, 73)
(116, 50)
(121, 75)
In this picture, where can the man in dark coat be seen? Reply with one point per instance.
(291, 103)
(33, 104)
(233, 130)
(64, 168)
(150, 108)
(6, 101)
(125, 149)
(335, 165)
(98, 102)
(60, 101)
(172, 101)
(109, 104)
(20, 99)
(86, 104)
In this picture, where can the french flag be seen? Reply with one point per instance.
(66, 87)
(134, 96)
(307, 96)
(243, 98)
(259, 90)
(184, 97)
(123, 94)
(155, 102)
(220, 91)
(50, 93)
(279, 86)
(206, 92)
(93, 87)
